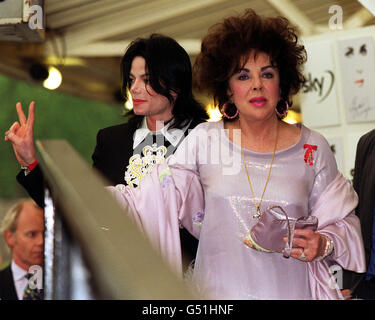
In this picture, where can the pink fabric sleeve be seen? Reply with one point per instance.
(335, 212)
(333, 201)
(164, 199)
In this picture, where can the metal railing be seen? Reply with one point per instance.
(92, 248)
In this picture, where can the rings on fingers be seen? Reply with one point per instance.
(302, 256)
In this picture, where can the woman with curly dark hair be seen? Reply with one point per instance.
(229, 176)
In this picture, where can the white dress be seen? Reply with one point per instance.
(204, 187)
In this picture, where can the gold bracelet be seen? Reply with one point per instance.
(328, 248)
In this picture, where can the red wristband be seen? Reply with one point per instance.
(33, 165)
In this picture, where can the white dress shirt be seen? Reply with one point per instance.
(20, 280)
(147, 153)
(173, 135)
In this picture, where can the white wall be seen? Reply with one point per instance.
(348, 133)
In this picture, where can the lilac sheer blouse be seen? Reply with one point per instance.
(204, 187)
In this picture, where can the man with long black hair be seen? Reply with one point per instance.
(157, 74)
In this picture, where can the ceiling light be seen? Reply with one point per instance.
(128, 105)
(213, 113)
(54, 79)
(293, 117)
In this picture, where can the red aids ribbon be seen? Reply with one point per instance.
(309, 153)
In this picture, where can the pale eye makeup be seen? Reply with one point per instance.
(267, 72)
(243, 74)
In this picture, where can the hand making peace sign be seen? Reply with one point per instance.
(22, 136)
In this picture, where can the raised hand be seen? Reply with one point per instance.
(21, 134)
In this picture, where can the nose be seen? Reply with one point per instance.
(135, 86)
(257, 83)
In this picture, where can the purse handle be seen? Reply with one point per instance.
(290, 232)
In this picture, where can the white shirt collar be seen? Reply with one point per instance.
(20, 281)
(173, 135)
(18, 272)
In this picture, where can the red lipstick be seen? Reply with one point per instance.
(137, 102)
(258, 101)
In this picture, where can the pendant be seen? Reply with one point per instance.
(258, 214)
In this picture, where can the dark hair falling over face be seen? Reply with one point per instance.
(229, 43)
(169, 69)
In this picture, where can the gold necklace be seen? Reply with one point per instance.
(257, 205)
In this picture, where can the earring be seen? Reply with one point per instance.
(225, 114)
(282, 115)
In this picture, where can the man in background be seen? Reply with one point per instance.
(362, 286)
(23, 230)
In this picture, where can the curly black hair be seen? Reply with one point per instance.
(229, 43)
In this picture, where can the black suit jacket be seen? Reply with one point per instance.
(364, 185)
(114, 147)
(7, 288)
